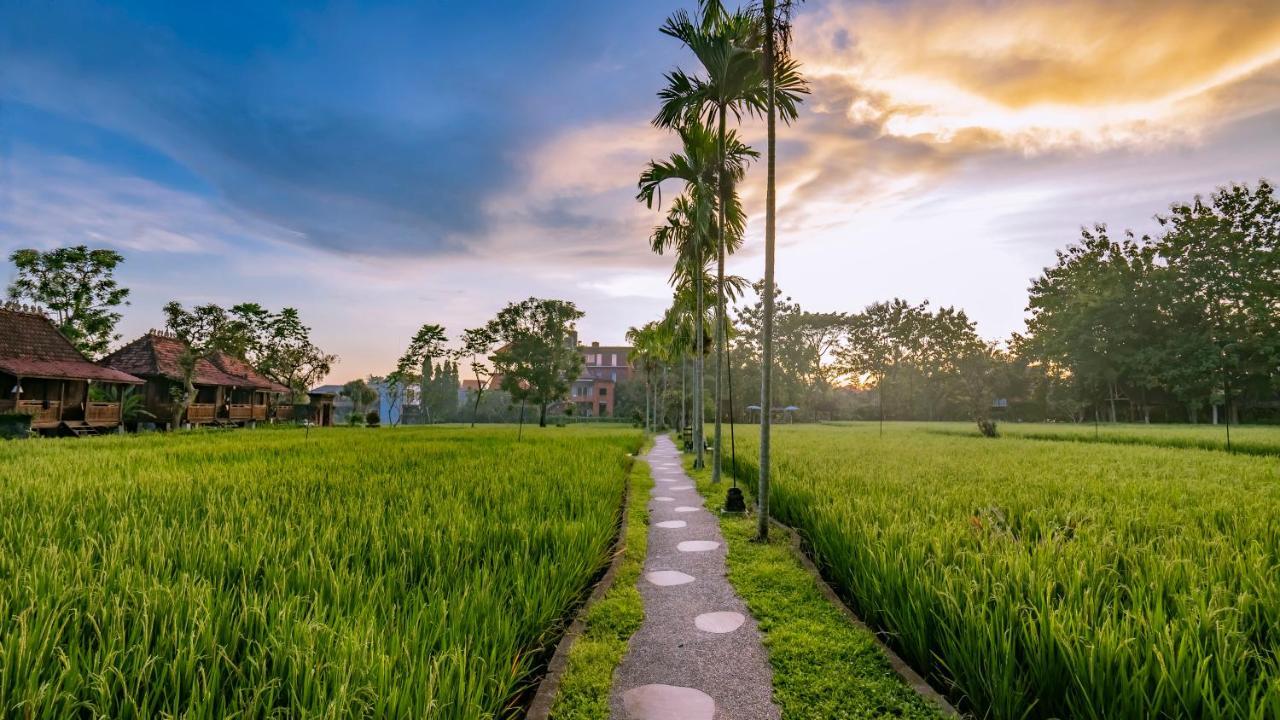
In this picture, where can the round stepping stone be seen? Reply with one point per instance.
(665, 578)
(668, 479)
(697, 545)
(667, 702)
(719, 622)
(686, 508)
(663, 498)
(683, 487)
(671, 524)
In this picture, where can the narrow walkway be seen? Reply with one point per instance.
(697, 656)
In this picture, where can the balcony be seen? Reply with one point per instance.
(102, 413)
(43, 414)
(239, 413)
(198, 413)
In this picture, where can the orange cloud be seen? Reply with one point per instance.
(1045, 74)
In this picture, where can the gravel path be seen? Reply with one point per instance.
(698, 655)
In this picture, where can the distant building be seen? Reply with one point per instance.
(593, 392)
(604, 366)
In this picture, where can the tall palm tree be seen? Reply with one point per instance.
(648, 349)
(783, 87)
(727, 45)
(692, 221)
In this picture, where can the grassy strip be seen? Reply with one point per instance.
(824, 666)
(610, 623)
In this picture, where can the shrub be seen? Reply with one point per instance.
(987, 427)
(372, 419)
(15, 425)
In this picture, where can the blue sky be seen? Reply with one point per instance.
(380, 165)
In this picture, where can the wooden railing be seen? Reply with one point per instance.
(41, 413)
(201, 413)
(240, 412)
(97, 413)
(260, 413)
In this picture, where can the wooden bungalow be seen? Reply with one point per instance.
(228, 390)
(44, 375)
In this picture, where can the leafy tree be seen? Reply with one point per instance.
(202, 330)
(360, 394)
(538, 359)
(1223, 260)
(279, 346)
(477, 343)
(78, 286)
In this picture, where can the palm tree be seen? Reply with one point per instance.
(648, 350)
(727, 45)
(783, 86)
(691, 222)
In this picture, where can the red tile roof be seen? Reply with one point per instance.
(31, 347)
(156, 355)
(236, 367)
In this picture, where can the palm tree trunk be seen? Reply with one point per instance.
(697, 411)
(684, 408)
(715, 451)
(770, 209)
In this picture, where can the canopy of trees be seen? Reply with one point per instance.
(78, 286)
(538, 358)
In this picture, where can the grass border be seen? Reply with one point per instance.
(826, 662)
(579, 679)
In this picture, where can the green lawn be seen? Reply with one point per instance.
(1049, 579)
(336, 573)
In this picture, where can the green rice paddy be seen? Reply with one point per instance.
(278, 573)
(1049, 579)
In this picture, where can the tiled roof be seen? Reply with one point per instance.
(236, 367)
(30, 346)
(156, 355)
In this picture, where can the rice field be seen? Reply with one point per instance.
(1245, 439)
(277, 573)
(1049, 579)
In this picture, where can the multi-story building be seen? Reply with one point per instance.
(592, 393)
(604, 366)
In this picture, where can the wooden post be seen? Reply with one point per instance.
(62, 396)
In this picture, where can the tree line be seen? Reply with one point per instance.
(1183, 326)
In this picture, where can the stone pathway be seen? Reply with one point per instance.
(697, 656)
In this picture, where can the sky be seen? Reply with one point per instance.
(383, 165)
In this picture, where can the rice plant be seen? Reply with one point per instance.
(334, 574)
(1041, 580)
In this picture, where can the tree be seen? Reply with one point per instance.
(477, 343)
(279, 346)
(538, 359)
(725, 45)
(78, 286)
(360, 395)
(695, 218)
(414, 364)
(1223, 260)
(203, 329)
(780, 71)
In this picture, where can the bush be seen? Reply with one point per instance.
(987, 427)
(15, 425)
(372, 419)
